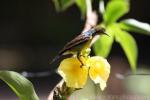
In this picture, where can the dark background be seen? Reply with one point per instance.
(32, 32)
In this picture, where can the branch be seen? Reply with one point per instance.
(91, 17)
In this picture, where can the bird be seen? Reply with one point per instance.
(80, 43)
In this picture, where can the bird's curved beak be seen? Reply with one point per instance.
(106, 34)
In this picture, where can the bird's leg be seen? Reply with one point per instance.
(79, 58)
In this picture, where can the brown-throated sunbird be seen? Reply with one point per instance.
(81, 43)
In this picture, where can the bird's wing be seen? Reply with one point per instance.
(75, 42)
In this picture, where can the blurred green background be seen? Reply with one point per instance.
(32, 33)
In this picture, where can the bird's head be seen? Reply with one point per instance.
(100, 31)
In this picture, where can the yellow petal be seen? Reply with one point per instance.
(71, 71)
(99, 70)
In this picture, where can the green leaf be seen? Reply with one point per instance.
(129, 46)
(82, 6)
(114, 10)
(135, 26)
(63, 4)
(19, 84)
(101, 6)
(103, 45)
(87, 93)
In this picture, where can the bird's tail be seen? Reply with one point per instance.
(54, 59)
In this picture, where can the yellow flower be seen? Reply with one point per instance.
(99, 71)
(75, 76)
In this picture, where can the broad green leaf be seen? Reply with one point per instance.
(114, 10)
(62, 4)
(129, 46)
(19, 84)
(101, 6)
(135, 26)
(82, 6)
(87, 93)
(103, 45)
